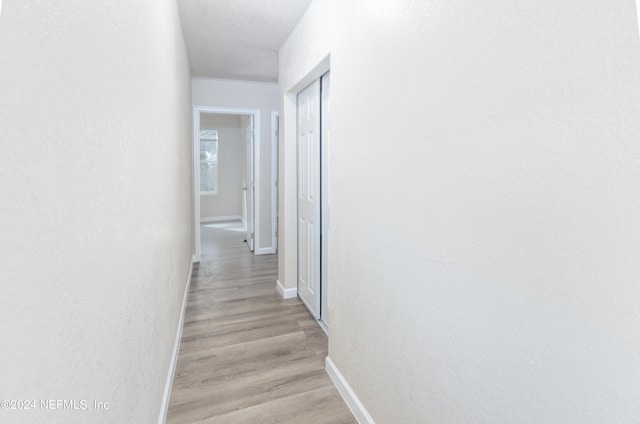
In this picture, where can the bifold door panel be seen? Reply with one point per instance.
(308, 147)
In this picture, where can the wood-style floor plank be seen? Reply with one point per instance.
(247, 355)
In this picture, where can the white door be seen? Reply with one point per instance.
(325, 139)
(248, 186)
(308, 146)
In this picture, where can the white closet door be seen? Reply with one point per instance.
(308, 144)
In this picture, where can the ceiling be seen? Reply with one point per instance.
(237, 39)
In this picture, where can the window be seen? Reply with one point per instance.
(208, 161)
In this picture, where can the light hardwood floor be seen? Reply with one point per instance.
(247, 355)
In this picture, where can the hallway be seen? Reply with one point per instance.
(247, 355)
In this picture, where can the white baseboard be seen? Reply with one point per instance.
(176, 348)
(265, 251)
(286, 293)
(352, 401)
(220, 218)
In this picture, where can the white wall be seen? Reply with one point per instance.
(227, 202)
(248, 95)
(95, 181)
(484, 209)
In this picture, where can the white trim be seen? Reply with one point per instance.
(275, 116)
(264, 250)
(357, 408)
(237, 81)
(316, 72)
(289, 293)
(197, 110)
(196, 185)
(221, 218)
(257, 199)
(176, 349)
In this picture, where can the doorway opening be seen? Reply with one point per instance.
(226, 174)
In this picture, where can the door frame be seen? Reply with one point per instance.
(275, 134)
(197, 110)
(288, 226)
(287, 283)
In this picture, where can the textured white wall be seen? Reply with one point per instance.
(485, 209)
(95, 177)
(231, 141)
(247, 95)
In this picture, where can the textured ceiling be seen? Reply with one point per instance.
(238, 39)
